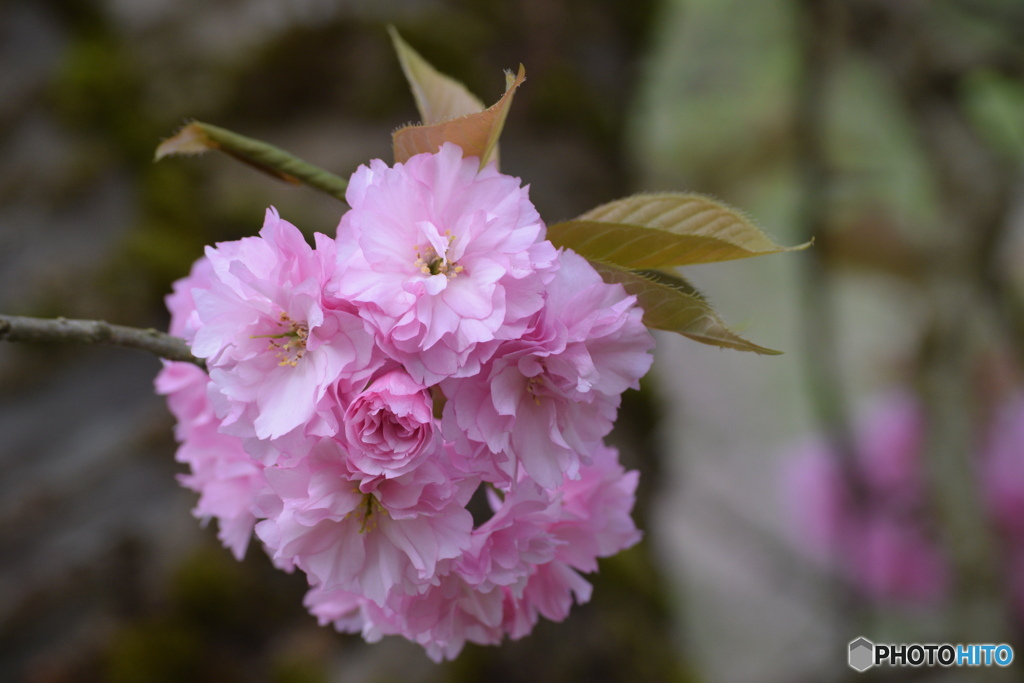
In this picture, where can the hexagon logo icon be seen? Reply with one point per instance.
(862, 654)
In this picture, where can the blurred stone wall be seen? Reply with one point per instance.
(893, 134)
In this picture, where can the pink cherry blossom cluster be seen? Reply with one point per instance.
(362, 392)
(874, 525)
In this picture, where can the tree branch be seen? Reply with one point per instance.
(198, 137)
(16, 328)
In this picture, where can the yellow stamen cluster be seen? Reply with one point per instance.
(288, 352)
(531, 387)
(367, 513)
(429, 262)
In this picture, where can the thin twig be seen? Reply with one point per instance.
(197, 137)
(16, 328)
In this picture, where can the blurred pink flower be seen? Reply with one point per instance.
(897, 560)
(874, 530)
(1002, 471)
(1002, 478)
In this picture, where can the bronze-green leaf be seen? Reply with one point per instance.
(663, 230)
(477, 134)
(198, 137)
(673, 304)
(190, 139)
(438, 97)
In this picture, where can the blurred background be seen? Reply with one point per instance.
(870, 482)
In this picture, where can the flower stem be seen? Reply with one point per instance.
(16, 328)
(197, 137)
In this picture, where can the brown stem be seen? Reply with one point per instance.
(16, 328)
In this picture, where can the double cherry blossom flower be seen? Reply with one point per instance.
(361, 391)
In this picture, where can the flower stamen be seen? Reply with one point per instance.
(290, 351)
(429, 262)
(367, 513)
(531, 387)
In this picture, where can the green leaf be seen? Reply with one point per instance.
(674, 280)
(477, 134)
(438, 97)
(197, 137)
(673, 304)
(664, 230)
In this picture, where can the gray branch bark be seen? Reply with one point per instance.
(15, 328)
